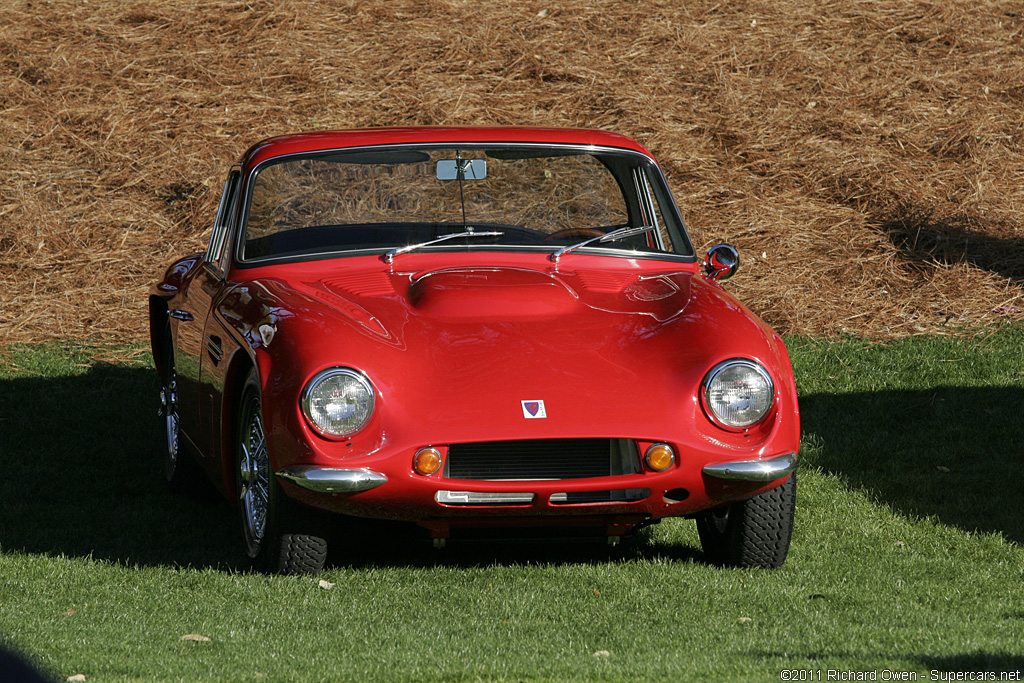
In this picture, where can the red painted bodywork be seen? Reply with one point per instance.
(454, 341)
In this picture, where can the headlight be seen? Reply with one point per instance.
(338, 402)
(737, 393)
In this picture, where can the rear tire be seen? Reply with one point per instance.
(180, 470)
(275, 528)
(753, 532)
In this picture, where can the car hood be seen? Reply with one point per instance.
(502, 294)
(611, 348)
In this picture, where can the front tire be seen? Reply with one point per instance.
(751, 533)
(273, 526)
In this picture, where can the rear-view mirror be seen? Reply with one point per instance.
(472, 169)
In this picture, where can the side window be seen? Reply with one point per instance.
(651, 212)
(663, 209)
(215, 253)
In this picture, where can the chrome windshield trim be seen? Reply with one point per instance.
(754, 470)
(497, 248)
(332, 480)
(247, 183)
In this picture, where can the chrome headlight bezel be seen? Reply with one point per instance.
(365, 407)
(757, 373)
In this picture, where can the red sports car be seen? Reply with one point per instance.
(470, 328)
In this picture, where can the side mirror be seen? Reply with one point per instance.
(721, 262)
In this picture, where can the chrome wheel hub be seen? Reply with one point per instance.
(254, 479)
(169, 411)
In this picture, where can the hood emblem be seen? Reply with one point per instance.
(533, 409)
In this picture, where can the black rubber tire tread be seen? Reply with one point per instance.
(293, 542)
(756, 531)
(301, 554)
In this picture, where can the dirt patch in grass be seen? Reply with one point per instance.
(865, 157)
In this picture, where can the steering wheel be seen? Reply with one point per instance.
(573, 233)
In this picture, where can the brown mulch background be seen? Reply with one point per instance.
(867, 158)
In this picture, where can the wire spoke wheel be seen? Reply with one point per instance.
(169, 412)
(180, 468)
(276, 530)
(254, 475)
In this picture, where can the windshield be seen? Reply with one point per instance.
(527, 197)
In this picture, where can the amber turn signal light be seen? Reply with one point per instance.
(660, 457)
(427, 461)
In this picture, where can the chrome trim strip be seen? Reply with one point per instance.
(624, 496)
(214, 349)
(221, 226)
(754, 470)
(483, 498)
(332, 480)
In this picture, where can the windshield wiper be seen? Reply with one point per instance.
(614, 235)
(390, 256)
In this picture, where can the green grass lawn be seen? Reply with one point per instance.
(907, 553)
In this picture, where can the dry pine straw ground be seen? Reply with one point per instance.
(865, 156)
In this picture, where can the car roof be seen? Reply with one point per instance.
(300, 143)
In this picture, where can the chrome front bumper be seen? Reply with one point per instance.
(754, 470)
(332, 480)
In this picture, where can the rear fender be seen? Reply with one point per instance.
(167, 289)
(158, 337)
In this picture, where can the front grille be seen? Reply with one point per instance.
(541, 459)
